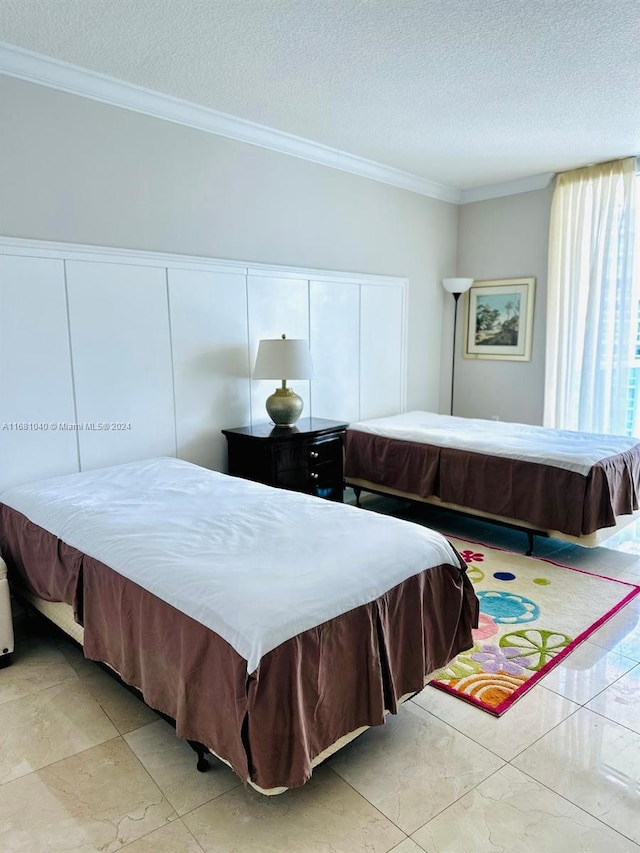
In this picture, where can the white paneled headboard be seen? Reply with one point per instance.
(110, 355)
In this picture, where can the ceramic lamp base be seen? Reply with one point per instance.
(284, 407)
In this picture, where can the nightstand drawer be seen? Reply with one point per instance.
(307, 455)
(322, 452)
(321, 480)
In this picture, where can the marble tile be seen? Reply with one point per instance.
(628, 539)
(49, 725)
(631, 575)
(587, 671)
(125, 710)
(324, 815)
(621, 701)
(37, 665)
(600, 560)
(534, 714)
(76, 659)
(510, 811)
(172, 838)
(621, 633)
(633, 569)
(171, 763)
(414, 766)
(595, 764)
(99, 800)
(407, 846)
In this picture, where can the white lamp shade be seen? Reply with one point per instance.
(283, 358)
(457, 285)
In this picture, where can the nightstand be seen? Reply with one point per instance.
(307, 457)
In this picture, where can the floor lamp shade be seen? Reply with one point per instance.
(455, 286)
(283, 358)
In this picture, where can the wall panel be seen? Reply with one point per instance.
(121, 350)
(381, 351)
(210, 361)
(36, 389)
(335, 349)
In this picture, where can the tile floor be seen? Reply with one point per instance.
(84, 766)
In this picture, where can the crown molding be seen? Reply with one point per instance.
(519, 185)
(56, 74)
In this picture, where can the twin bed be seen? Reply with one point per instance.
(578, 487)
(272, 626)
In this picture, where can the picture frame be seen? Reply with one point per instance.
(499, 319)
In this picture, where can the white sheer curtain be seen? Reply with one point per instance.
(592, 307)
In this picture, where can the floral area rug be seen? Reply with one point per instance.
(533, 613)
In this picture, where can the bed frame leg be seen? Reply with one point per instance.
(357, 492)
(530, 536)
(201, 751)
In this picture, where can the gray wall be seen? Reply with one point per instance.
(502, 238)
(78, 171)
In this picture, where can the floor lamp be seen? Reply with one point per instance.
(455, 286)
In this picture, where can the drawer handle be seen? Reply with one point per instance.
(314, 475)
(314, 454)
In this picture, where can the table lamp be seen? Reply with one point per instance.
(283, 358)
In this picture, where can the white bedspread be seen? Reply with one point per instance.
(254, 564)
(574, 451)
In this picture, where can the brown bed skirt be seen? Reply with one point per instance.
(544, 496)
(304, 696)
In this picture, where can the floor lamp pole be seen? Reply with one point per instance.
(456, 287)
(456, 296)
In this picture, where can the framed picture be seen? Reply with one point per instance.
(499, 319)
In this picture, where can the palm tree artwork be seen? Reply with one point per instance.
(497, 320)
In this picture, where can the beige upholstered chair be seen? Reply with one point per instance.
(6, 625)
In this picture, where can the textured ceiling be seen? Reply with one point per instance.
(465, 93)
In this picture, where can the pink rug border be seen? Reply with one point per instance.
(531, 682)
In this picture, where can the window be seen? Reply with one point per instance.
(593, 317)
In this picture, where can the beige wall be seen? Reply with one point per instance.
(78, 171)
(499, 238)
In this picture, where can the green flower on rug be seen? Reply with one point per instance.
(541, 645)
(475, 574)
(460, 667)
